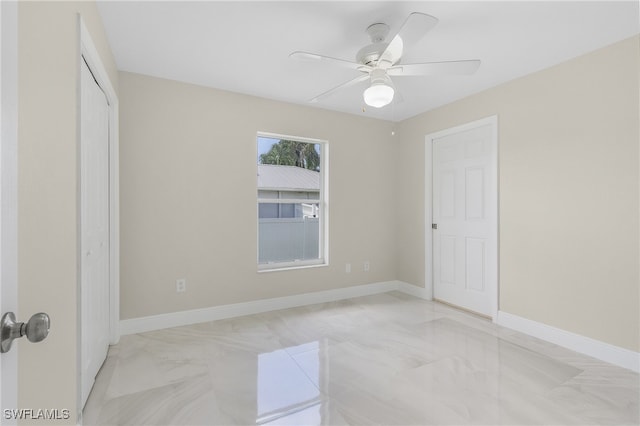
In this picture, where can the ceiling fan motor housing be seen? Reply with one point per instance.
(380, 76)
(370, 54)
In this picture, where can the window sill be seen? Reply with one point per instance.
(290, 266)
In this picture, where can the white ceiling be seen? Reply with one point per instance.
(244, 46)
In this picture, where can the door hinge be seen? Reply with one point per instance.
(434, 226)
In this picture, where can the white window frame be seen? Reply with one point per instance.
(323, 208)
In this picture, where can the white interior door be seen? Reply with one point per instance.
(465, 214)
(94, 206)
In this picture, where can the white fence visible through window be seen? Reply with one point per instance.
(288, 239)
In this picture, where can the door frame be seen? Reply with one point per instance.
(9, 194)
(88, 52)
(494, 285)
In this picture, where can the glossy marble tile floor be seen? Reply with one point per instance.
(384, 359)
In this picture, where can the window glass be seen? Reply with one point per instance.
(290, 232)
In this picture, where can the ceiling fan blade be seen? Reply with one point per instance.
(341, 62)
(349, 83)
(436, 68)
(414, 28)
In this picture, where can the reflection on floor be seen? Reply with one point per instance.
(382, 359)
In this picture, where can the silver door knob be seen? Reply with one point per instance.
(36, 329)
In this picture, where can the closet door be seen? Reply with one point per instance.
(94, 211)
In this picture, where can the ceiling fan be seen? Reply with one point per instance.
(381, 60)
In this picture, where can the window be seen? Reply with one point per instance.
(291, 194)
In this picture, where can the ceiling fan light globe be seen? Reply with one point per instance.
(378, 95)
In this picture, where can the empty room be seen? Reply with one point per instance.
(320, 212)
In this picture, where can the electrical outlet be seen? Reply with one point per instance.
(181, 285)
(367, 266)
(347, 268)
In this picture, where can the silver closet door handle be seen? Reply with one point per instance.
(36, 329)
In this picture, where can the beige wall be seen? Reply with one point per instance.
(47, 193)
(569, 190)
(188, 196)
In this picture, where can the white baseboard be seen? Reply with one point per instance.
(176, 319)
(600, 350)
(414, 290)
(594, 348)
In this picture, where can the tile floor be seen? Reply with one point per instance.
(385, 359)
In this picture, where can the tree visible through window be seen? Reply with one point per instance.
(290, 202)
(293, 153)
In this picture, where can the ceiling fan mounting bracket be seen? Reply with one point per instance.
(369, 55)
(377, 32)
